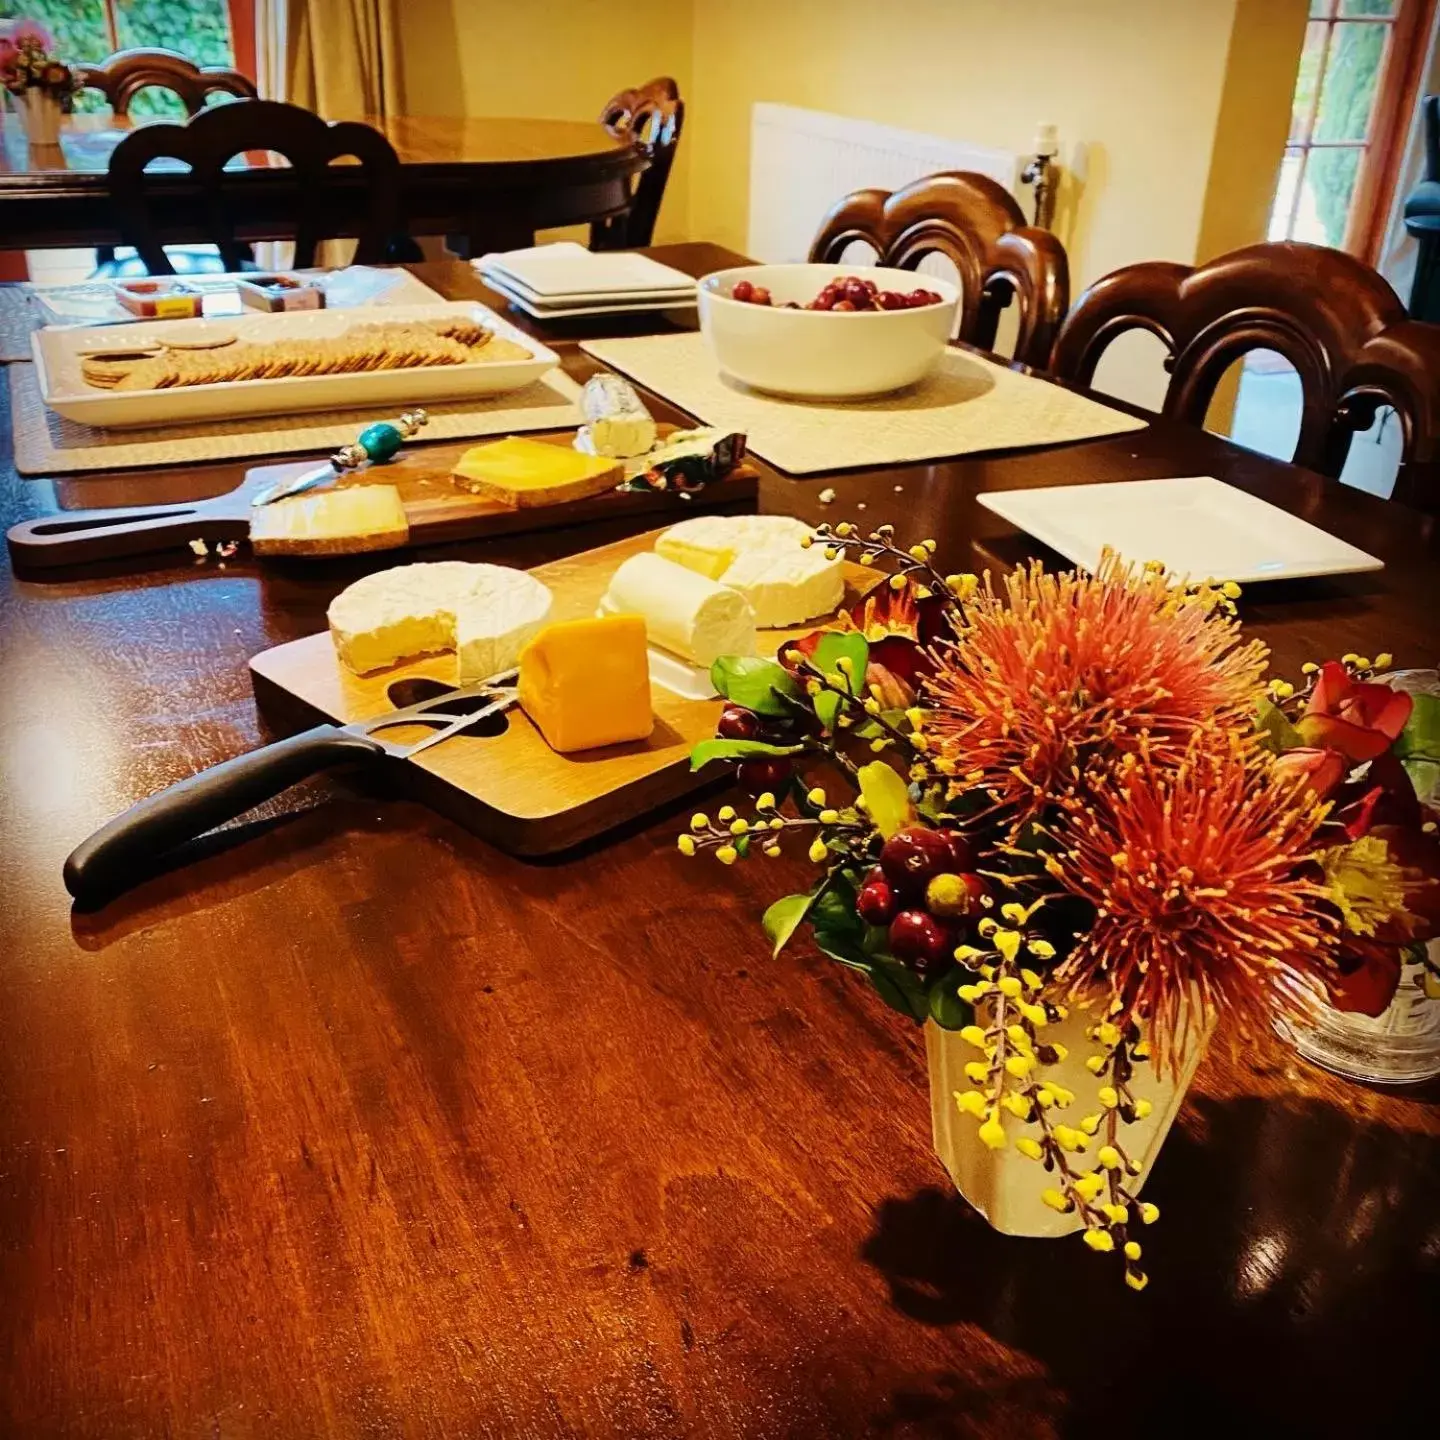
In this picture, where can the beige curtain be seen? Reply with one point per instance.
(343, 57)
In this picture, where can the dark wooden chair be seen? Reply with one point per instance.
(310, 144)
(980, 228)
(652, 115)
(119, 79)
(127, 72)
(1332, 317)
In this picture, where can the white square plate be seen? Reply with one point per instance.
(1196, 527)
(58, 352)
(567, 271)
(611, 305)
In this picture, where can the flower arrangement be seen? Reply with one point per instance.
(1053, 794)
(28, 62)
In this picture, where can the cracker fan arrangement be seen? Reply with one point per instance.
(1063, 820)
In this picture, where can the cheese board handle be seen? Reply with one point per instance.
(137, 842)
(73, 537)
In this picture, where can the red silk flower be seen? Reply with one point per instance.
(1359, 719)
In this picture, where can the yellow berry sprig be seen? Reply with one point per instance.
(844, 683)
(1293, 699)
(731, 835)
(913, 565)
(1010, 1081)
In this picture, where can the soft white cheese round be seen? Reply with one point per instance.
(485, 613)
(760, 556)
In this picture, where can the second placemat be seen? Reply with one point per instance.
(968, 404)
(48, 444)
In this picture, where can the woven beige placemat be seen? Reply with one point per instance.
(48, 444)
(968, 404)
(19, 316)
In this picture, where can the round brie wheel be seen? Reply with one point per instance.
(763, 558)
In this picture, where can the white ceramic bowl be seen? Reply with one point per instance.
(824, 354)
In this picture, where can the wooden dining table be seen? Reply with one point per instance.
(355, 1126)
(492, 181)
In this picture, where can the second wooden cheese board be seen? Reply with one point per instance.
(510, 787)
(437, 510)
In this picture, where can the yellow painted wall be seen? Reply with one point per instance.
(1138, 89)
(557, 59)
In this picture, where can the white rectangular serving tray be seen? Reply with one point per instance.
(1196, 526)
(57, 356)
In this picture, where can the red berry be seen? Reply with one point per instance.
(913, 857)
(855, 292)
(760, 295)
(737, 723)
(820, 302)
(963, 854)
(891, 300)
(876, 901)
(842, 305)
(920, 941)
(766, 772)
(743, 291)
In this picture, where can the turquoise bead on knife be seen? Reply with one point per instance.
(381, 442)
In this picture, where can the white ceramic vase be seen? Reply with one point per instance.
(41, 114)
(1003, 1185)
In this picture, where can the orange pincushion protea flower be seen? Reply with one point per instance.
(1198, 870)
(1060, 670)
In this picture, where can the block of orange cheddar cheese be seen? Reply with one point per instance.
(586, 683)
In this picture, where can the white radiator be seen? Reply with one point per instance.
(803, 161)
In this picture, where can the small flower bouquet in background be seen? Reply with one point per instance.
(42, 84)
(1046, 824)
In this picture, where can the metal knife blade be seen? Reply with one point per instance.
(452, 712)
(293, 486)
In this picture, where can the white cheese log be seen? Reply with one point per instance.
(683, 612)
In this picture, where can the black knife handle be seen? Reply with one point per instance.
(131, 846)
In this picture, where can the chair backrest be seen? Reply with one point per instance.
(1431, 112)
(651, 116)
(1332, 317)
(127, 72)
(978, 226)
(215, 135)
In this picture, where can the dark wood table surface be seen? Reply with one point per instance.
(494, 181)
(357, 1127)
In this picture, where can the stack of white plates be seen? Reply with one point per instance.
(555, 282)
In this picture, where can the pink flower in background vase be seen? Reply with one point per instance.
(32, 33)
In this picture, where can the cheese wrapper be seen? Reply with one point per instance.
(586, 683)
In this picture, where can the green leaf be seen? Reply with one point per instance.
(755, 684)
(947, 1009)
(843, 947)
(1277, 732)
(833, 646)
(899, 987)
(742, 845)
(887, 797)
(783, 919)
(1425, 778)
(835, 908)
(1420, 739)
(708, 750)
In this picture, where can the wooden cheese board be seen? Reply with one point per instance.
(510, 787)
(437, 510)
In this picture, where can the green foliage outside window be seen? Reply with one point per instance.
(198, 29)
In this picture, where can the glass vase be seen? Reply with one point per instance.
(41, 114)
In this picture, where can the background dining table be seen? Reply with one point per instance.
(356, 1126)
(492, 181)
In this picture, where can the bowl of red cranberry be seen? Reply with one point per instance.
(826, 331)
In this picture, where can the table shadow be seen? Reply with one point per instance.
(1295, 1281)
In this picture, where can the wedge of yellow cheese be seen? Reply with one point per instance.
(523, 473)
(346, 521)
(586, 683)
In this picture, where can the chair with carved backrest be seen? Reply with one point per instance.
(652, 115)
(1331, 316)
(127, 72)
(310, 144)
(977, 225)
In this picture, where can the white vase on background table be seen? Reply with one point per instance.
(41, 114)
(1005, 1186)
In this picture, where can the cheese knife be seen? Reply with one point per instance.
(137, 842)
(376, 445)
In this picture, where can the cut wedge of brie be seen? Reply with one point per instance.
(683, 612)
(484, 613)
(761, 557)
